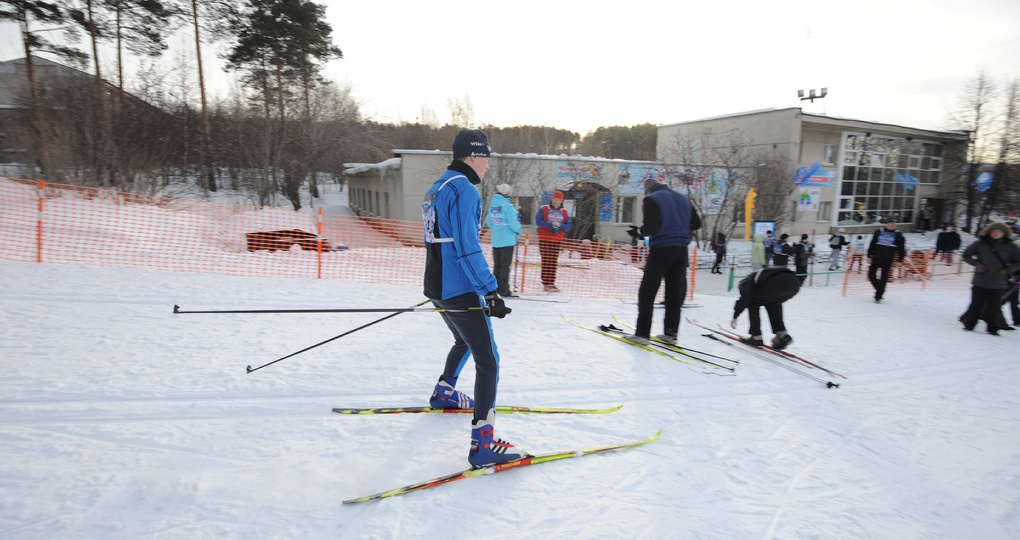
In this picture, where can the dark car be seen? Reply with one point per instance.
(283, 240)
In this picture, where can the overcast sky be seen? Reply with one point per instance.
(579, 65)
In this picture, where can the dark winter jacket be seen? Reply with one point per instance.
(766, 286)
(803, 251)
(887, 245)
(781, 252)
(719, 244)
(940, 241)
(668, 218)
(994, 261)
(952, 242)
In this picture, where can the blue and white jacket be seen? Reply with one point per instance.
(504, 221)
(452, 212)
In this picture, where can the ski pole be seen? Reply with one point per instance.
(250, 369)
(1010, 291)
(828, 384)
(416, 309)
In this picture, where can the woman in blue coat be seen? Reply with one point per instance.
(505, 223)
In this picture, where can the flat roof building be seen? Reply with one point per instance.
(840, 172)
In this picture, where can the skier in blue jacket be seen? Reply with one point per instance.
(458, 280)
(505, 223)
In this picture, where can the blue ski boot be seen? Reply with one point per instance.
(488, 449)
(445, 397)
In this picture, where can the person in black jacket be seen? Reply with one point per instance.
(803, 251)
(669, 219)
(781, 251)
(1013, 296)
(887, 246)
(946, 243)
(994, 258)
(768, 287)
(719, 247)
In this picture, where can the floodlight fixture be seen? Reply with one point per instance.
(812, 94)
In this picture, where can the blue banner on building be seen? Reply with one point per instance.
(907, 180)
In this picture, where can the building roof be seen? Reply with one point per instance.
(557, 157)
(824, 119)
(10, 66)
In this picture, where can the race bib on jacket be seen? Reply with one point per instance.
(887, 238)
(497, 217)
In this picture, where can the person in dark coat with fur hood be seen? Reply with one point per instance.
(995, 259)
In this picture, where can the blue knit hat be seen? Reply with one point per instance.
(471, 142)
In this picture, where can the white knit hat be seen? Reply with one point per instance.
(504, 189)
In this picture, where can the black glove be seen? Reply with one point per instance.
(634, 232)
(495, 306)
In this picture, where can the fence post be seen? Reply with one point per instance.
(694, 273)
(318, 242)
(524, 268)
(39, 222)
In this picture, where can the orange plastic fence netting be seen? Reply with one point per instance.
(52, 223)
(922, 270)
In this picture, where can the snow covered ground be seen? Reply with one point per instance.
(119, 419)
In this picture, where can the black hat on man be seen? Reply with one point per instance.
(471, 142)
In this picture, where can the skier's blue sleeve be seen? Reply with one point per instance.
(540, 219)
(465, 215)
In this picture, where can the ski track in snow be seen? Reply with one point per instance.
(119, 419)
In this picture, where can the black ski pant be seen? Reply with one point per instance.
(801, 270)
(985, 304)
(879, 283)
(775, 312)
(472, 336)
(549, 251)
(775, 291)
(669, 264)
(501, 259)
(1013, 299)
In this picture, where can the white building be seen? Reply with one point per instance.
(828, 173)
(603, 196)
(844, 172)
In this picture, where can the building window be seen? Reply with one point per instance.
(526, 206)
(824, 210)
(625, 209)
(875, 172)
(830, 155)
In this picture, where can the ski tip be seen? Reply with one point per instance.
(249, 369)
(177, 309)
